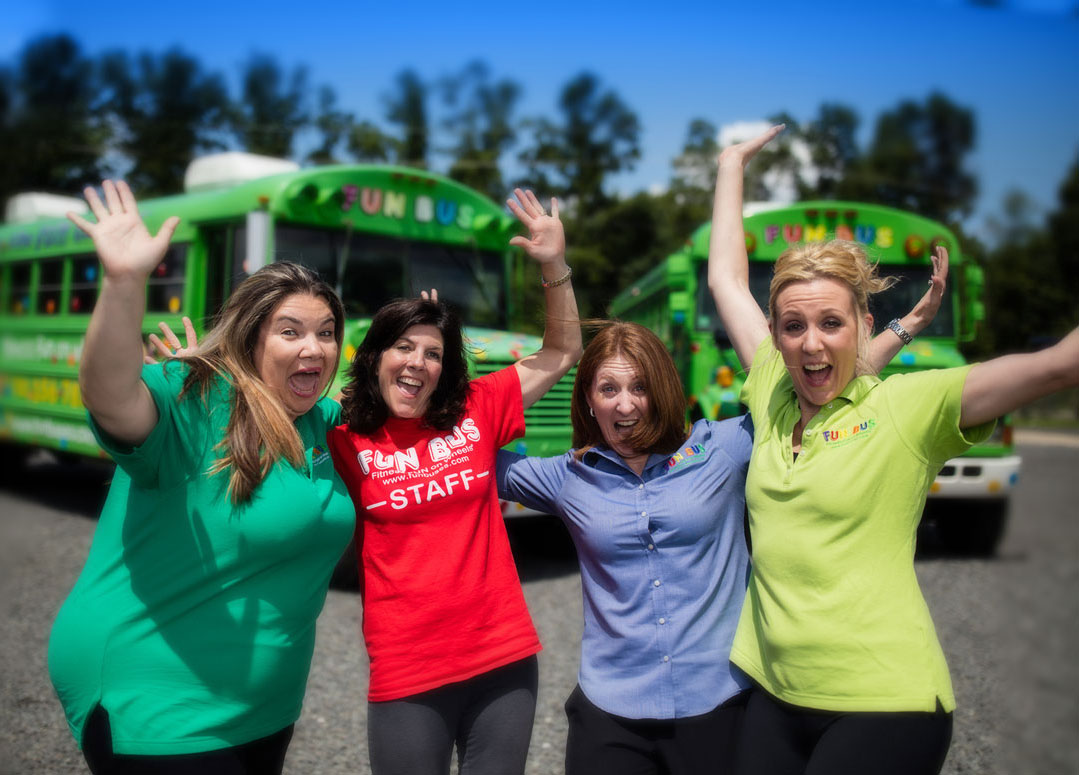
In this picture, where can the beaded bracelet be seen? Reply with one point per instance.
(553, 283)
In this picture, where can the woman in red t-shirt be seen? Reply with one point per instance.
(451, 644)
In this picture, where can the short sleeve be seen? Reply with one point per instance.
(926, 407)
(497, 398)
(174, 449)
(765, 373)
(532, 481)
(735, 438)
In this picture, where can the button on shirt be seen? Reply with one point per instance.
(663, 565)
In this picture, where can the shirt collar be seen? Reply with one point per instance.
(594, 454)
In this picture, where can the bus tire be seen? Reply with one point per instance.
(973, 528)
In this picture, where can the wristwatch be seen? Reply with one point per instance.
(901, 332)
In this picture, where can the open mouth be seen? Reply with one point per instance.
(625, 426)
(410, 387)
(817, 374)
(305, 382)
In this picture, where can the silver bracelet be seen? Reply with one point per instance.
(901, 332)
(553, 283)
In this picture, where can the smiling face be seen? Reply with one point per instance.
(408, 371)
(619, 400)
(296, 351)
(816, 330)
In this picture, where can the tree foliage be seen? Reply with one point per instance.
(272, 107)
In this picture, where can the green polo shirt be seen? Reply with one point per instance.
(833, 617)
(193, 621)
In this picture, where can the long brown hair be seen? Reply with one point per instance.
(664, 429)
(260, 431)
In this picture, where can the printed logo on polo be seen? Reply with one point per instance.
(839, 437)
(694, 453)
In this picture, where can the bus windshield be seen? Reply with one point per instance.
(895, 302)
(368, 270)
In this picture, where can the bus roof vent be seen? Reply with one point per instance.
(226, 169)
(23, 208)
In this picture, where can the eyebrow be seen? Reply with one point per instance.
(289, 319)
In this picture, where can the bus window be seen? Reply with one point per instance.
(84, 274)
(50, 285)
(166, 284)
(19, 293)
(468, 279)
(317, 249)
(760, 278)
(898, 300)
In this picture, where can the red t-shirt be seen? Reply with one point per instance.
(441, 598)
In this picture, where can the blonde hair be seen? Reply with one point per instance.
(839, 260)
(260, 432)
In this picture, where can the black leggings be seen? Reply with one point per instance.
(265, 756)
(489, 717)
(782, 739)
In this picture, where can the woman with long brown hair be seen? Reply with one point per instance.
(186, 643)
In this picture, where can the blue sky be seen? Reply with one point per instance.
(1016, 66)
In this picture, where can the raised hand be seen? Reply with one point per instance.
(121, 239)
(927, 307)
(170, 347)
(741, 153)
(546, 241)
(432, 296)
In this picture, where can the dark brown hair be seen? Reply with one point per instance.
(664, 429)
(362, 405)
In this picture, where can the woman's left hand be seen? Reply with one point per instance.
(927, 307)
(546, 241)
(170, 347)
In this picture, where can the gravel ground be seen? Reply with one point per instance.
(1010, 628)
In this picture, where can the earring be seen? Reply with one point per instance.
(591, 412)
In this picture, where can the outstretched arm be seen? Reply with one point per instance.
(546, 244)
(887, 343)
(728, 263)
(1004, 384)
(110, 369)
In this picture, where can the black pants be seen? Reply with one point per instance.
(265, 756)
(783, 739)
(488, 717)
(601, 742)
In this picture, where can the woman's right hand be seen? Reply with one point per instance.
(123, 244)
(741, 153)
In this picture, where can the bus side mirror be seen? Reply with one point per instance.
(972, 310)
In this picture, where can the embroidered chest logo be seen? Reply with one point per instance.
(319, 454)
(687, 456)
(840, 437)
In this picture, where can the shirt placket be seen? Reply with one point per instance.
(661, 614)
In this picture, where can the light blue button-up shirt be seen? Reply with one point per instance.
(663, 566)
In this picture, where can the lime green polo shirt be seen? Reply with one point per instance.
(834, 618)
(193, 621)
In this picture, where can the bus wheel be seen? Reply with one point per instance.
(12, 461)
(973, 528)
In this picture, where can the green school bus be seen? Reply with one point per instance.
(969, 499)
(373, 232)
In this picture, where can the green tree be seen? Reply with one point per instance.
(333, 126)
(168, 111)
(480, 123)
(55, 136)
(272, 107)
(406, 107)
(916, 161)
(366, 142)
(598, 136)
(833, 149)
